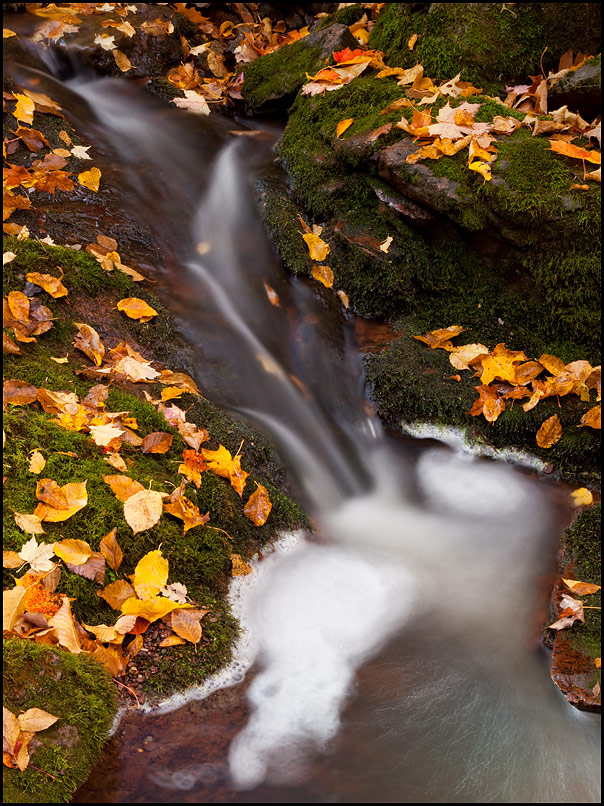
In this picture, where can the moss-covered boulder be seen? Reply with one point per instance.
(489, 43)
(74, 688)
(272, 81)
(580, 90)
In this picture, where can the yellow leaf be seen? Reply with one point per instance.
(172, 640)
(582, 497)
(343, 298)
(6, 33)
(52, 285)
(77, 498)
(592, 418)
(343, 125)
(37, 462)
(157, 442)
(65, 628)
(323, 274)
(24, 111)
(239, 567)
(151, 609)
(136, 309)
(550, 432)
(90, 179)
(150, 575)
(180, 506)
(483, 168)
(12, 606)
(440, 338)
(143, 510)
(72, 551)
(171, 393)
(258, 506)
(412, 41)
(385, 245)
(317, 248)
(116, 593)
(89, 342)
(64, 360)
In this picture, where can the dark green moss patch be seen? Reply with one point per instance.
(76, 689)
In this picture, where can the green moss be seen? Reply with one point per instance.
(80, 692)
(488, 44)
(344, 16)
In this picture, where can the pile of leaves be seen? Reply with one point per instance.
(509, 375)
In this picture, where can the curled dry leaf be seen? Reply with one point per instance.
(13, 606)
(172, 640)
(571, 611)
(581, 588)
(582, 497)
(52, 285)
(89, 342)
(65, 628)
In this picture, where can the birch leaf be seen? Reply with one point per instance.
(12, 606)
(550, 432)
(111, 550)
(72, 551)
(136, 308)
(259, 506)
(323, 274)
(150, 575)
(123, 487)
(32, 524)
(65, 628)
(116, 593)
(186, 625)
(35, 719)
(37, 462)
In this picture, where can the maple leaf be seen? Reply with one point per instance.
(223, 464)
(38, 555)
(24, 111)
(175, 591)
(180, 506)
(489, 403)
(569, 150)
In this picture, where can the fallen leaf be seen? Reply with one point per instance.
(176, 591)
(582, 497)
(258, 506)
(343, 125)
(89, 342)
(12, 606)
(157, 442)
(90, 179)
(10, 559)
(122, 61)
(29, 523)
(105, 41)
(440, 338)
(111, 551)
(65, 628)
(80, 152)
(136, 309)
(105, 435)
(143, 510)
(38, 555)
(238, 566)
(317, 248)
(569, 150)
(116, 593)
(35, 719)
(93, 568)
(323, 274)
(385, 245)
(186, 625)
(123, 487)
(180, 506)
(75, 552)
(151, 609)
(412, 41)
(172, 640)
(150, 575)
(550, 432)
(52, 285)
(581, 588)
(592, 418)
(571, 611)
(24, 111)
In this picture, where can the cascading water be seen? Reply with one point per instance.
(395, 651)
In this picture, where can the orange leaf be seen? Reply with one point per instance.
(258, 506)
(317, 248)
(569, 150)
(136, 309)
(343, 125)
(550, 432)
(440, 338)
(323, 274)
(111, 551)
(581, 588)
(157, 442)
(52, 285)
(592, 418)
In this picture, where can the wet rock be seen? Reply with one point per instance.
(414, 213)
(580, 90)
(574, 674)
(272, 81)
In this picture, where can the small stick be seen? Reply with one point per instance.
(131, 690)
(44, 771)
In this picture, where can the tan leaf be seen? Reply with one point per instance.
(35, 719)
(412, 41)
(172, 640)
(258, 506)
(186, 625)
(122, 61)
(571, 611)
(238, 566)
(323, 274)
(550, 432)
(115, 460)
(37, 462)
(73, 551)
(123, 487)
(181, 380)
(93, 568)
(38, 555)
(65, 628)
(10, 559)
(111, 550)
(31, 524)
(12, 606)
(143, 510)
(467, 355)
(116, 593)
(76, 497)
(157, 442)
(136, 309)
(105, 435)
(9, 346)
(385, 245)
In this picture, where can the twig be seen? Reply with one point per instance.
(220, 530)
(541, 62)
(44, 771)
(131, 690)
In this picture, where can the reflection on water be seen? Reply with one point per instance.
(396, 655)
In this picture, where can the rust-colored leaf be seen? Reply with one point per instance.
(569, 150)
(581, 588)
(111, 550)
(18, 393)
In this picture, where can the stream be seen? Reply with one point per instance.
(394, 656)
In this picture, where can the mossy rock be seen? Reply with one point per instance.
(410, 382)
(491, 44)
(272, 81)
(74, 688)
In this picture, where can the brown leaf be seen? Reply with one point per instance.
(157, 442)
(111, 550)
(186, 625)
(550, 432)
(93, 568)
(238, 566)
(49, 492)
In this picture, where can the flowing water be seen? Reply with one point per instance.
(395, 654)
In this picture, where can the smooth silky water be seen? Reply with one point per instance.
(395, 653)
